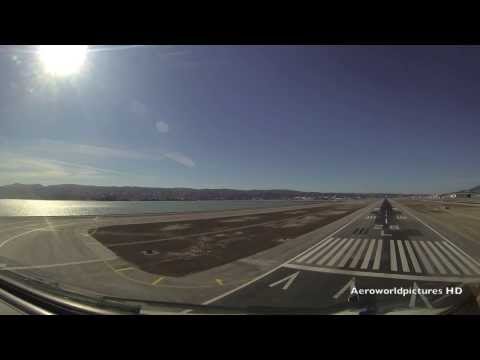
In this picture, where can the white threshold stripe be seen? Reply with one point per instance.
(449, 265)
(384, 275)
(443, 237)
(465, 259)
(455, 260)
(221, 296)
(331, 252)
(432, 257)
(378, 255)
(393, 257)
(349, 253)
(319, 253)
(334, 259)
(320, 245)
(423, 258)
(368, 255)
(411, 253)
(358, 255)
(57, 265)
(403, 257)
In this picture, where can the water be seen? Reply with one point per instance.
(78, 208)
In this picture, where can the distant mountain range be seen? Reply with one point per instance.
(475, 189)
(131, 193)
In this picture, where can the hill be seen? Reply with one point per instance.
(132, 193)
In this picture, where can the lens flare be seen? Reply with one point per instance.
(62, 60)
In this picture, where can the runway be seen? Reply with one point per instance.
(386, 248)
(381, 245)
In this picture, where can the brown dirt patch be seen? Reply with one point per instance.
(181, 250)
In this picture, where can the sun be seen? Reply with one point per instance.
(62, 60)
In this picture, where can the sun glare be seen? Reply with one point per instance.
(62, 60)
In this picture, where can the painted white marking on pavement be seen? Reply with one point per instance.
(383, 234)
(331, 252)
(348, 286)
(368, 255)
(414, 296)
(31, 231)
(356, 259)
(432, 256)
(349, 253)
(13, 226)
(322, 251)
(449, 265)
(403, 258)
(320, 245)
(449, 254)
(465, 259)
(443, 237)
(46, 266)
(393, 257)
(221, 296)
(289, 280)
(411, 253)
(401, 276)
(339, 253)
(378, 255)
(426, 263)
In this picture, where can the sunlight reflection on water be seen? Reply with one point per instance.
(13, 207)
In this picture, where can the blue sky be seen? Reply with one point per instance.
(315, 118)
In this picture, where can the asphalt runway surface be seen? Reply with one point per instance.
(379, 246)
(389, 247)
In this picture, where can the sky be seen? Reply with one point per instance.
(312, 118)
